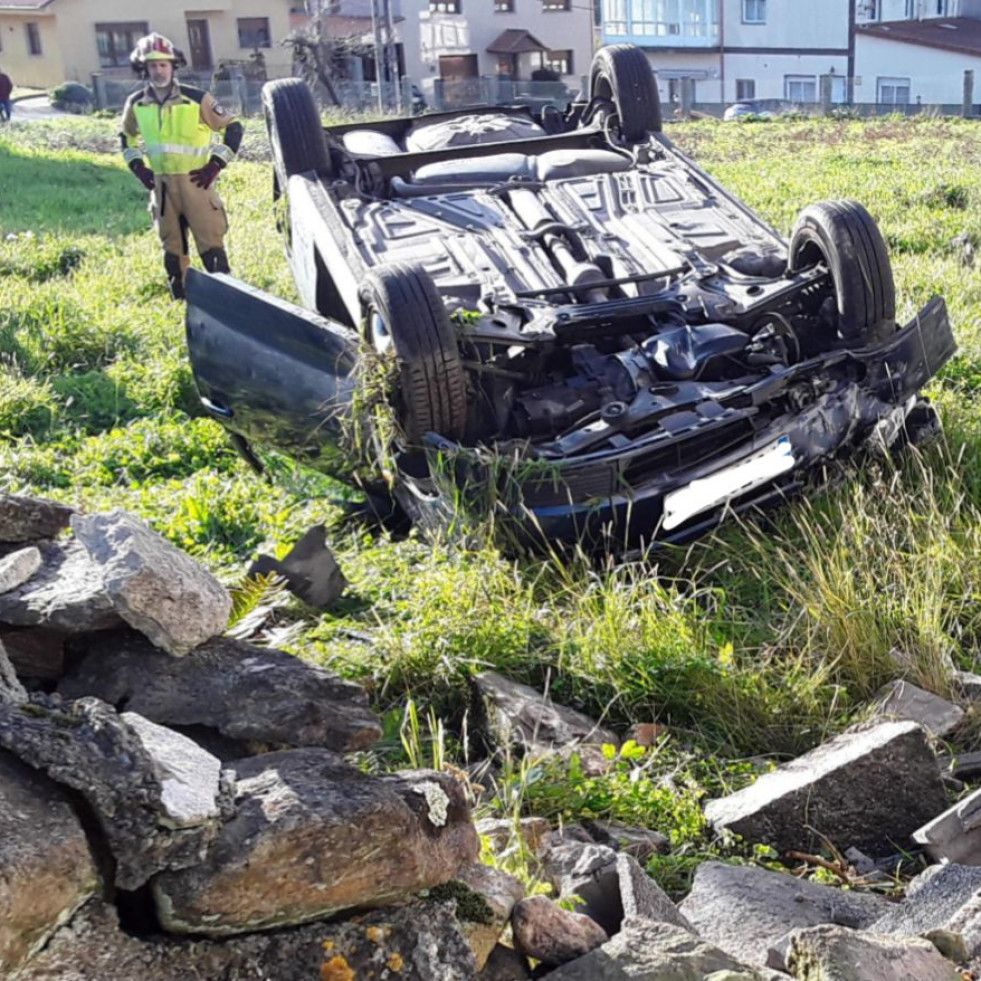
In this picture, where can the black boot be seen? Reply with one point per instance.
(215, 260)
(175, 275)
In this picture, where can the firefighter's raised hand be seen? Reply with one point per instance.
(205, 176)
(143, 174)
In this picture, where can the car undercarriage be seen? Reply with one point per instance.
(562, 319)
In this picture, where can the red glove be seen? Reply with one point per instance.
(143, 174)
(205, 176)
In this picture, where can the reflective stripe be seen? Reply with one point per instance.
(224, 152)
(176, 140)
(131, 153)
(177, 149)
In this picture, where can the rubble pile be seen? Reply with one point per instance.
(180, 804)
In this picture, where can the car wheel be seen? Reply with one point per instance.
(405, 318)
(843, 236)
(296, 133)
(622, 74)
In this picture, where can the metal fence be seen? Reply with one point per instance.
(444, 93)
(238, 92)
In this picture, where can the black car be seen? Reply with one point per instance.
(556, 318)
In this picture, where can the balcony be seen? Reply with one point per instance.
(662, 23)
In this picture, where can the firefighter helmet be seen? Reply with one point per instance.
(155, 47)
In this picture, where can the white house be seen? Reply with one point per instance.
(908, 62)
(737, 50)
(864, 51)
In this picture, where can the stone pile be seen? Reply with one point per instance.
(177, 804)
(160, 782)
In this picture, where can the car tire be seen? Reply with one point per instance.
(405, 316)
(622, 74)
(845, 237)
(296, 134)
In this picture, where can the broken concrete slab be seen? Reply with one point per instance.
(247, 693)
(870, 788)
(30, 519)
(641, 897)
(340, 838)
(744, 910)
(66, 593)
(516, 715)
(550, 934)
(943, 897)
(17, 567)
(86, 746)
(589, 872)
(190, 778)
(608, 885)
(155, 587)
(955, 834)
(647, 951)
(309, 568)
(46, 868)
(834, 953)
(902, 700)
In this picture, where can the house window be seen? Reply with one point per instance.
(910, 9)
(615, 16)
(872, 11)
(559, 61)
(892, 91)
(504, 6)
(550, 5)
(942, 8)
(745, 89)
(754, 11)
(445, 6)
(253, 32)
(800, 89)
(116, 40)
(33, 38)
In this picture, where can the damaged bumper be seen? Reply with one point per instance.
(679, 480)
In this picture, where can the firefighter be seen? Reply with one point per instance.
(176, 125)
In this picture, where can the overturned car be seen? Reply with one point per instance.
(555, 318)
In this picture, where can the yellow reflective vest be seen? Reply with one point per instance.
(178, 133)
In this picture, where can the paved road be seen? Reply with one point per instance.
(35, 107)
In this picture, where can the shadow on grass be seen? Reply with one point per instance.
(69, 194)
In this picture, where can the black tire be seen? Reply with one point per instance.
(432, 394)
(623, 74)
(845, 237)
(296, 134)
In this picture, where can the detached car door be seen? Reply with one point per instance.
(273, 372)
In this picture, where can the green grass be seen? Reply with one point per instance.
(759, 640)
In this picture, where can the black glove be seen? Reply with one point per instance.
(143, 174)
(205, 176)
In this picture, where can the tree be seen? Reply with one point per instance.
(322, 59)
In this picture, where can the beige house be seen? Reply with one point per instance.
(45, 42)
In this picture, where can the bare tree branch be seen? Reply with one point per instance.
(322, 58)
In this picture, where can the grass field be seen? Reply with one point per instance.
(759, 640)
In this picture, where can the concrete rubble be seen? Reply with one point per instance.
(844, 790)
(176, 804)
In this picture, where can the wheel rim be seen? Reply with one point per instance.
(378, 333)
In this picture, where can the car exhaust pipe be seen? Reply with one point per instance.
(580, 275)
